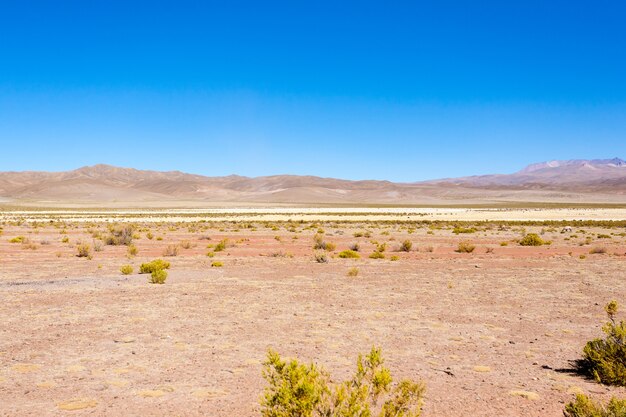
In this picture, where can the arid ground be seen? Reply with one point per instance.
(491, 333)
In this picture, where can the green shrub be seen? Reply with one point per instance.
(465, 247)
(583, 406)
(126, 269)
(158, 277)
(18, 239)
(299, 390)
(152, 266)
(605, 359)
(349, 254)
(394, 258)
(532, 239)
(377, 255)
(216, 264)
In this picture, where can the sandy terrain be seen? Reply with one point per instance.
(491, 333)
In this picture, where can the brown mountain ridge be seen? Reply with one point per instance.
(573, 181)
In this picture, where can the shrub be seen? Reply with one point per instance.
(377, 255)
(155, 265)
(459, 229)
(222, 245)
(349, 254)
(321, 258)
(158, 277)
(406, 246)
(381, 247)
(186, 244)
(126, 269)
(394, 258)
(355, 247)
(299, 390)
(65, 239)
(597, 249)
(504, 243)
(171, 250)
(18, 239)
(321, 244)
(605, 359)
(216, 264)
(353, 272)
(97, 245)
(532, 239)
(120, 234)
(210, 254)
(465, 247)
(132, 250)
(583, 406)
(83, 250)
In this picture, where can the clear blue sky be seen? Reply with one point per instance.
(387, 90)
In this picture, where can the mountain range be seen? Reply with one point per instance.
(572, 181)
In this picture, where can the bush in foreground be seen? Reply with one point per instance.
(605, 359)
(126, 269)
(465, 247)
(158, 277)
(299, 390)
(583, 406)
(532, 239)
(349, 254)
(150, 267)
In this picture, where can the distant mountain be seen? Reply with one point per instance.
(553, 181)
(595, 175)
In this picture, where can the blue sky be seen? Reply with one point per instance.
(403, 91)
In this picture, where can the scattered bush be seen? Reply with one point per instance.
(18, 239)
(83, 250)
(532, 239)
(406, 246)
(597, 250)
(97, 245)
(171, 250)
(120, 234)
(321, 258)
(132, 250)
(65, 239)
(222, 245)
(465, 247)
(355, 247)
(504, 243)
(583, 406)
(394, 258)
(377, 255)
(126, 269)
(210, 254)
(353, 272)
(321, 244)
(605, 359)
(155, 265)
(459, 229)
(299, 390)
(216, 264)
(349, 254)
(158, 277)
(186, 244)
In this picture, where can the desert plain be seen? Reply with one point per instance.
(493, 332)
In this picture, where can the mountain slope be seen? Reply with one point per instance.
(554, 181)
